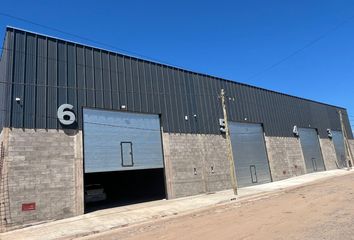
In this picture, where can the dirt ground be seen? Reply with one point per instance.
(323, 210)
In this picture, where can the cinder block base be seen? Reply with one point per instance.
(195, 164)
(285, 157)
(40, 167)
(351, 143)
(329, 154)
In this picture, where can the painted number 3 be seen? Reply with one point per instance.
(65, 115)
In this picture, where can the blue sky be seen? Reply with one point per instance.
(230, 39)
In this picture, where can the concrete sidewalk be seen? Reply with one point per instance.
(105, 220)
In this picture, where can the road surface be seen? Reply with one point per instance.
(321, 210)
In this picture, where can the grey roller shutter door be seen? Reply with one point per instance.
(119, 141)
(250, 156)
(338, 142)
(311, 149)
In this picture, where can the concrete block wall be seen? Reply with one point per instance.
(328, 153)
(351, 143)
(42, 169)
(195, 164)
(285, 157)
(3, 202)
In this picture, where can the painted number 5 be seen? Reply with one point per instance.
(65, 115)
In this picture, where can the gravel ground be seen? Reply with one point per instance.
(323, 210)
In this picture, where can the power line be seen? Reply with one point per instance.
(294, 53)
(136, 54)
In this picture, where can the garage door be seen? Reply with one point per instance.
(250, 156)
(119, 141)
(338, 141)
(311, 149)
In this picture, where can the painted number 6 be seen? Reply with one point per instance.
(65, 115)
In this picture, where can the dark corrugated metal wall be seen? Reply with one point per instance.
(3, 78)
(48, 72)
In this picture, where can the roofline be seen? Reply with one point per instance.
(8, 27)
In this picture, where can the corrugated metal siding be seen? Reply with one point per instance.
(3, 78)
(48, 72)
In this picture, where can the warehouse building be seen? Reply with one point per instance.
(84, 128)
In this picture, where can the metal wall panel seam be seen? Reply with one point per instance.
(235, 101)
(142, 87)
(149, 89)
(102, 97)
(22, 88)
(164, 100)
(106, 80)
(154, 71)
(121, 82)
(205, 106)
(228, 103)
(177, 100)
(194, 103)
(199, 119)
(117, 93)
(203, 118)
(93, 72)
(146, 100)
(182, 105)
(193, 99)
(131, 100)
(136, 85)
(45, 105)
(217, 89)
(166, 93)
(8, 81)
(57, 83)
(14, 59)
(75, 92)
(173, 100)
(85, 78)
(34, 120)
(187, 122)
(169, 98)
(67, 72)
(257, 107)
(210, 104)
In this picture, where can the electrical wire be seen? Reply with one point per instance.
(136, 54)
(181, 78)
(301, 49)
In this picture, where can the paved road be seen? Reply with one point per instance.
(322, 210)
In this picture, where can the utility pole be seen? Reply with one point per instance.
(348, 151)
(229, 146)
